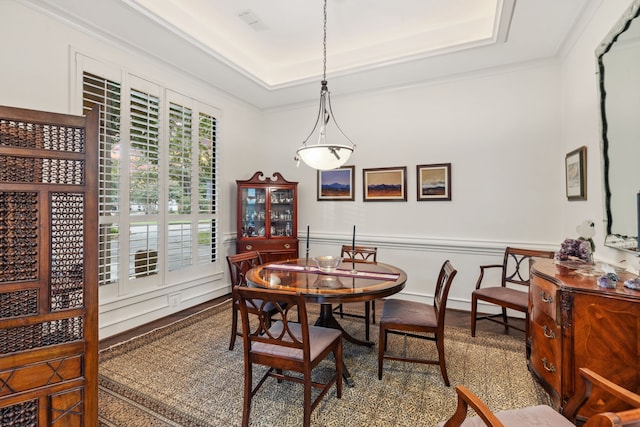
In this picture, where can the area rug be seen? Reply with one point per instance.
(184, 375)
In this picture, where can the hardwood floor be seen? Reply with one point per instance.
(457, 318)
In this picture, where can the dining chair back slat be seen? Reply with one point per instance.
(361, 254)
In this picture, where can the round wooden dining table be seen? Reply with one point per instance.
(349, 282)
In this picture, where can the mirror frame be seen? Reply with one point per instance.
(632, 12)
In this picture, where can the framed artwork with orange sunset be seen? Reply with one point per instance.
(385, 184)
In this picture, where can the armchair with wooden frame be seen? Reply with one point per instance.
(543, 415)
(364, 255)
(514, 274)
(285, 345)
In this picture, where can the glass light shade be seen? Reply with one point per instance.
(325, 156)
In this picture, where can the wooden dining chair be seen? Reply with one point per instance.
(514, 274)
(285, 346)
(543, 415)
(362, 255)
(417, 320)
(239, 264)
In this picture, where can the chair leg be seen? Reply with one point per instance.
(441, 359)
(248, 384)
(382, 346)
(367, 310)
(307, 399)
(234, 327)
(505, 320)
(337, 355)
(373, 311)
(339, 311)
(474, 306)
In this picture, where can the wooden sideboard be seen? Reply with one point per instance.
(573, 323)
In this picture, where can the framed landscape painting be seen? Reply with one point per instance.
(337, 184)
(434, 181)
(576, 174)
(385, 184)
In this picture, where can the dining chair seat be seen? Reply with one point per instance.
(532, 416)
(319, 339)
(410, 313)
(508, 296)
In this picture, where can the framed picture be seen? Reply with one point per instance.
(385, 184)
(337, 184)
(434, 181)
(576, 174)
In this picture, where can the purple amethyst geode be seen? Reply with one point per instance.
(575, 248)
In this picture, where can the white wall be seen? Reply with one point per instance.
(580, 124)
(38, 71)
(505, 132)
(500, 130)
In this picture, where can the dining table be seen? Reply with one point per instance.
(348, 282)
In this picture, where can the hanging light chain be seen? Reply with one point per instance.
(324, 44)
(316, 155)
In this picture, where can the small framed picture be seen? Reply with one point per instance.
(385, 184)
(576, 174)
(434, 181)
(337, 184)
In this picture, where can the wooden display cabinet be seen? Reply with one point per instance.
(267, 217)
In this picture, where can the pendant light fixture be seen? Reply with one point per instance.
(324, 155)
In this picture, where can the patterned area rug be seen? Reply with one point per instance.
(184, 375)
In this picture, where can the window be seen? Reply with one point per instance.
(157, 203)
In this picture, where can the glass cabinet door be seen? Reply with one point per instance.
(253, 212)
(282, 212)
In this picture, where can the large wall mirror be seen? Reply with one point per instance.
(618, 60)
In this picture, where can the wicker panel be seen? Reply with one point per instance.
(41, 335)
(18, 303)
(67, 250)
(20, 169)
(36, 135)
(61, 171)
(18, 236)
(21, 414)
(37, 170)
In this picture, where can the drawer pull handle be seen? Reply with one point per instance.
(548, 366)
(249, 247)
(548, 333)
(546, 298)
(287, 245)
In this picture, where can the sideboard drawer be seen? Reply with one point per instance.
(546, 356)
(543, 297)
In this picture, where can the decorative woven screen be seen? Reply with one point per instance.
(48, 268)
